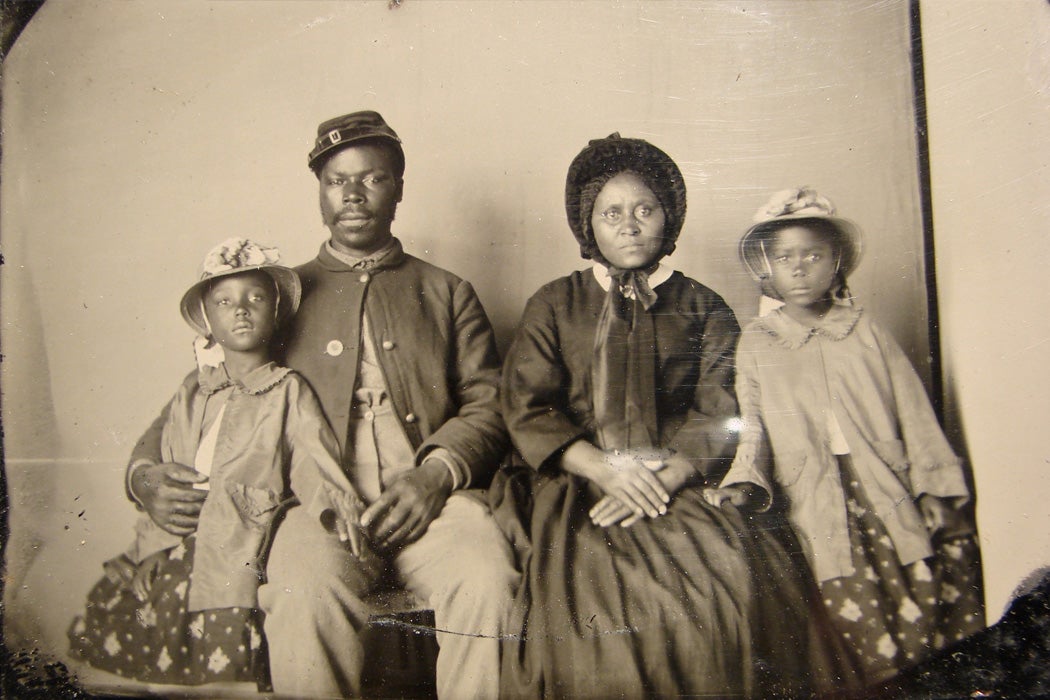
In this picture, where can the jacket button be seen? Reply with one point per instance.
(334, 348)
(363, 279)
(410, 418)
(388, 345)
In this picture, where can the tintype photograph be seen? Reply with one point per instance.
(478, 349)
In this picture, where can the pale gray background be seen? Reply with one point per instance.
(138, 134)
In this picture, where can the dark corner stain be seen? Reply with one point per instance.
(1009, 659)
(14, 16)
(32, 675)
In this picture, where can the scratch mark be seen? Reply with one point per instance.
(1001, 107)
(427, 629)
(1044, 341)
(1008, 183)
(317, 21)
(56, 460)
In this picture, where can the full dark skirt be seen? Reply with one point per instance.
(698, 601)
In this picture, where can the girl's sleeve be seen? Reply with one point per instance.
(707, 436)
(934, 467)
(753, 463)
(148, 448)
(534, 390)
(315, 474)
(149, 539)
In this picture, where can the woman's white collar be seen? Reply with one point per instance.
(658, 277)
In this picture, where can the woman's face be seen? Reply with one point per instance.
(628, 223)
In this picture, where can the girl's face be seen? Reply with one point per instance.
(628, 223)
(803, 267)
(242, 311)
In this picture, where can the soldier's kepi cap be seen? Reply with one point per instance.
(340, 132)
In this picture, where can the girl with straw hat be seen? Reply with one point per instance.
(184, 610)
(837, 426)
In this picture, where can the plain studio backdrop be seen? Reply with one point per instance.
(139, 134)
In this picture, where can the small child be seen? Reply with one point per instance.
(834, 414)
(184, 610)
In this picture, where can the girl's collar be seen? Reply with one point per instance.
(212, 375)
(656, 278)
(258, 381)
(836, 325)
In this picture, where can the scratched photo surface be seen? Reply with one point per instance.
(137, 135)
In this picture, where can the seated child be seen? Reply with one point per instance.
(835, 416)
(183, 609)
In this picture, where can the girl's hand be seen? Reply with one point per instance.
(346, 524)
(740, 495)
(935, 512)
(146, 573)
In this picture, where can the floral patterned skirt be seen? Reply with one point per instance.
(158, 640)
(893, 615)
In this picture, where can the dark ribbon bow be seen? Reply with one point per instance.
(623, 373)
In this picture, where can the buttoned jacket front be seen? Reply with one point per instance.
(435, 346)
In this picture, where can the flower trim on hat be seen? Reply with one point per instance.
(798, 201)
(784, 208)
(235, 253)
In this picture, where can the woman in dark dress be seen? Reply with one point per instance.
(617, 391)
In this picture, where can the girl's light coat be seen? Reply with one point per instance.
(789, 377)
(273, 445)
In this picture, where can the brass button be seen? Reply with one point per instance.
(410, 418)
(334, 348)
(363, 279)
(388, 345)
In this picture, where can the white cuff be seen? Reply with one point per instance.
(460, 475)
(141, 462)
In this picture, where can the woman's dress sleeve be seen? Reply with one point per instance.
(535, 387)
